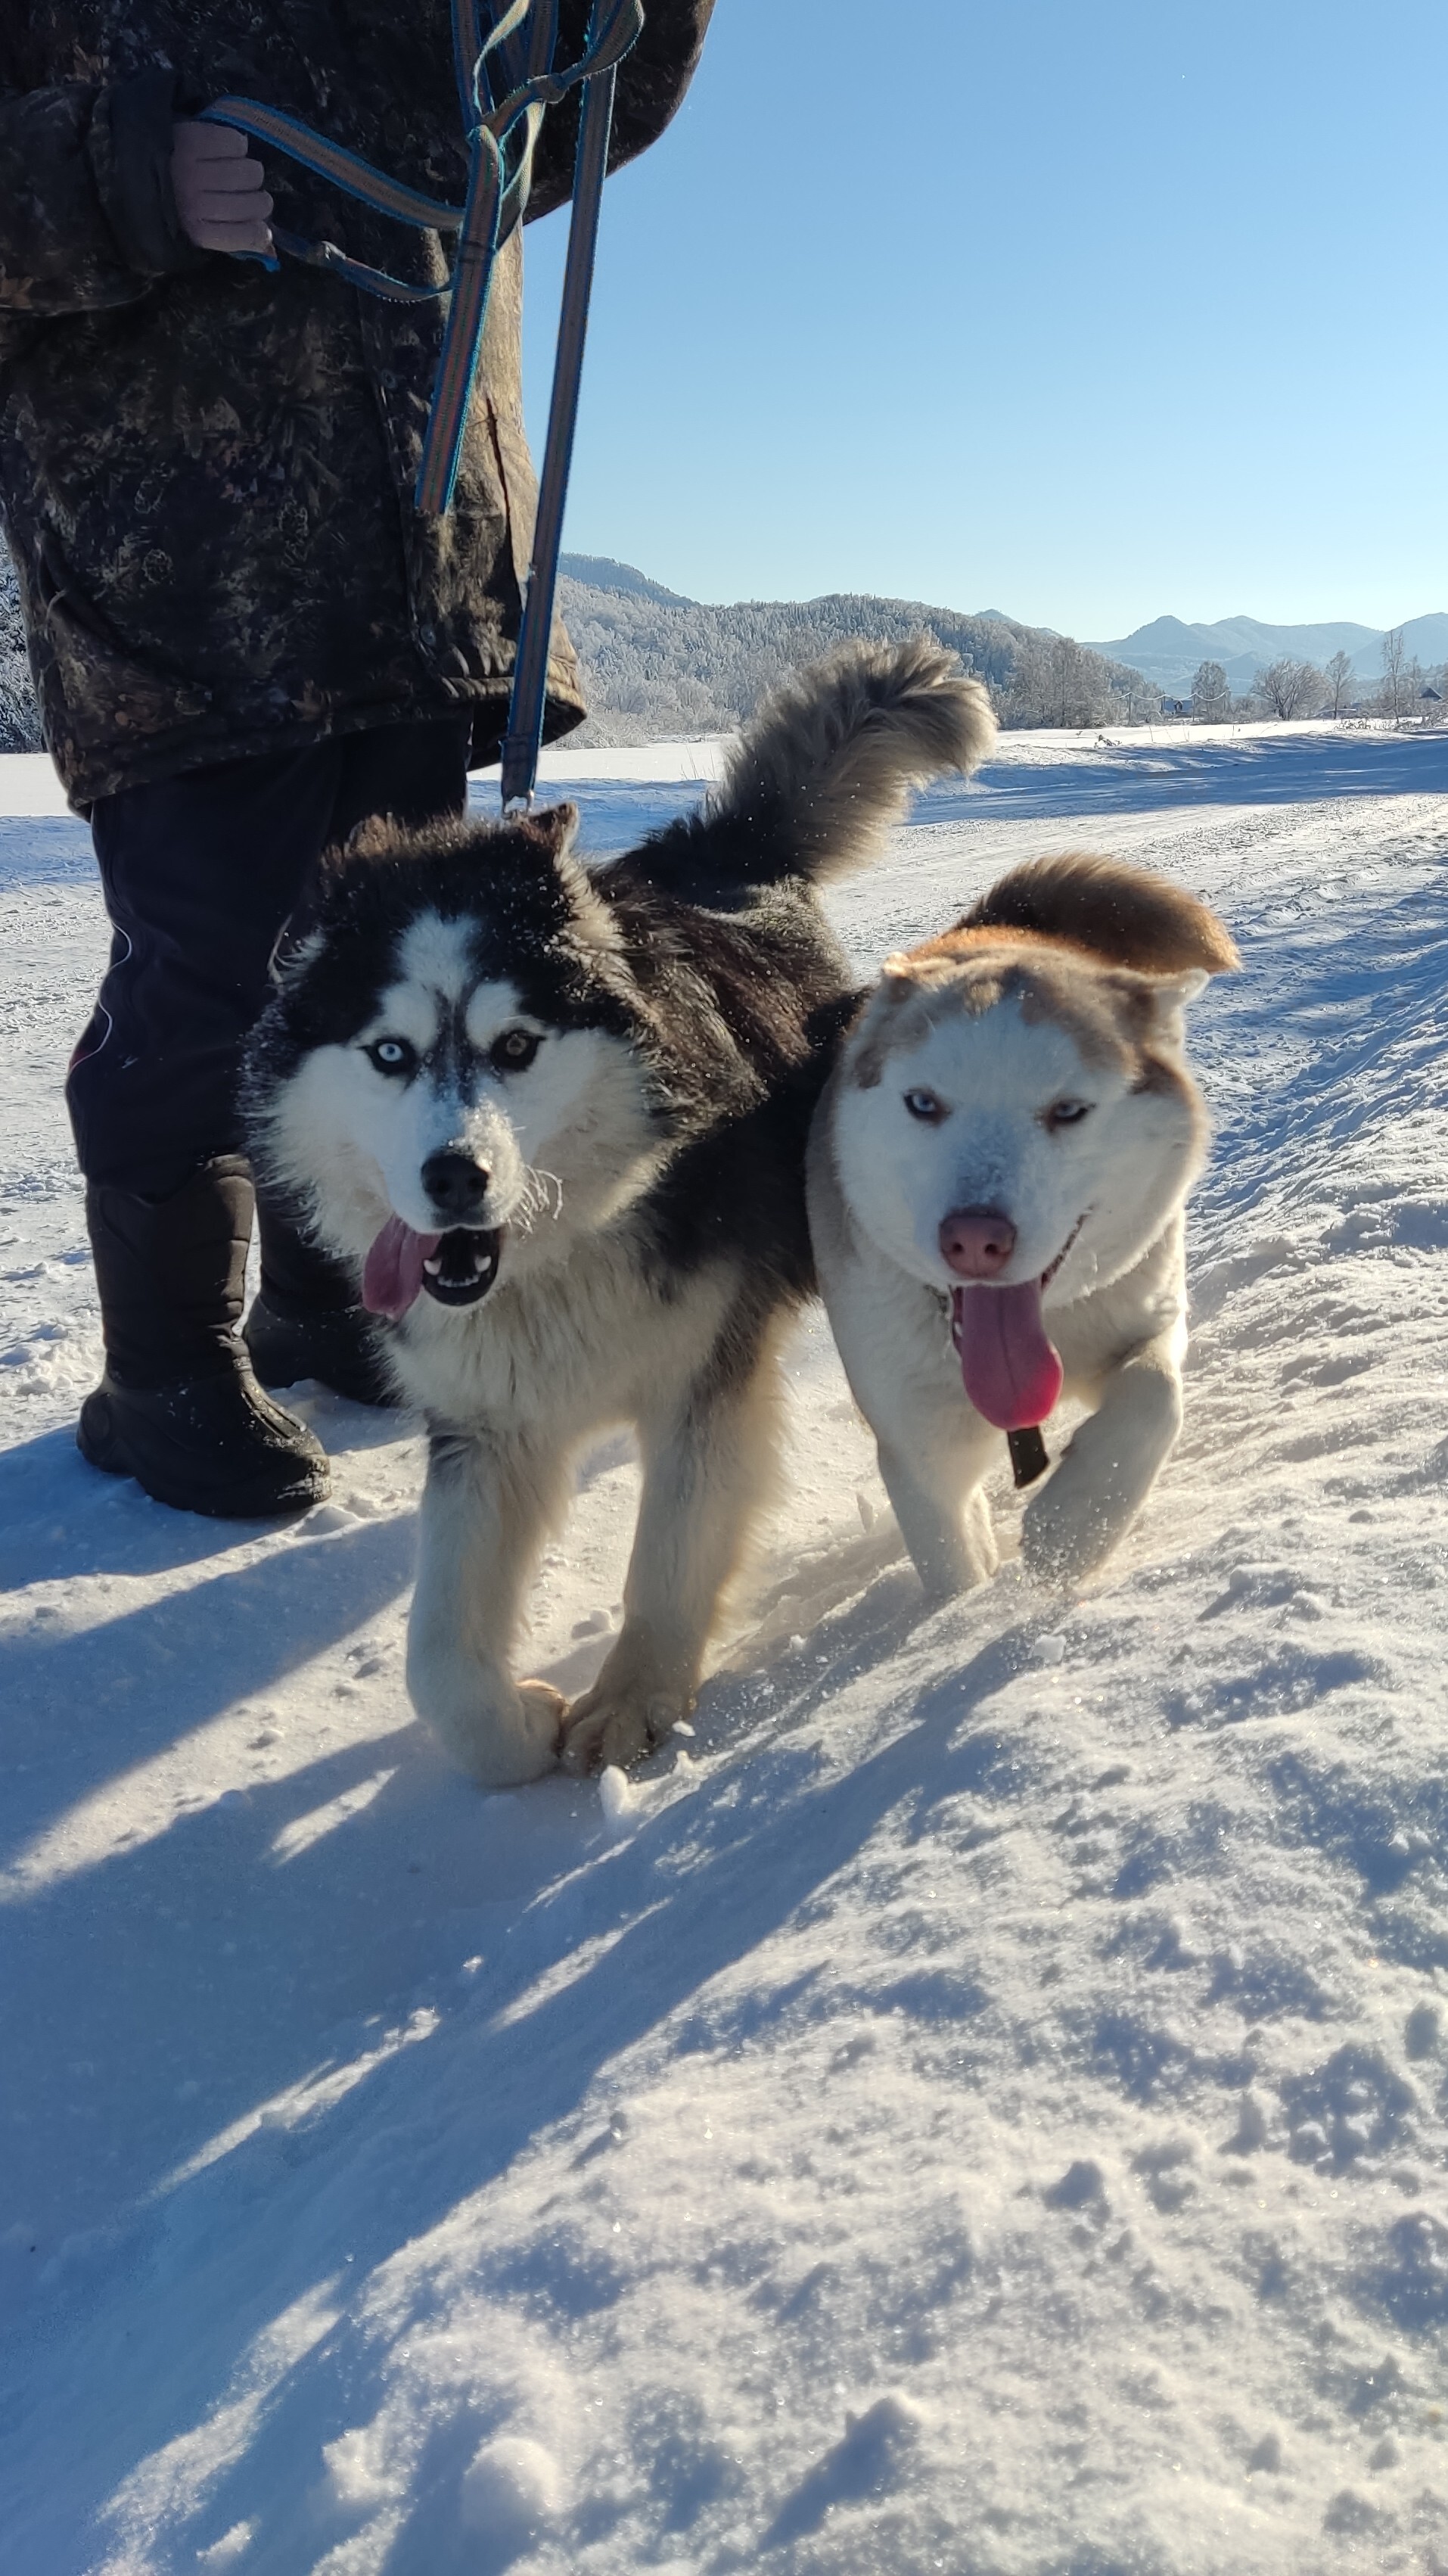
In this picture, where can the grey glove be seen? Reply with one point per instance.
(220, 191)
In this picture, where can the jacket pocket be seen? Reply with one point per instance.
(109, 697)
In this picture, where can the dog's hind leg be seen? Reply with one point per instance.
(486, 1510)
(708, 1469)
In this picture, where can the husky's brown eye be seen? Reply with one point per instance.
(924, 1104)
(1065, 1113)
(514, 1050)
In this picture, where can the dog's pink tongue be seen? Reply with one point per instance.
(392, 1276)
(1012, 1374)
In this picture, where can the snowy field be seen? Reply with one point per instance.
(978, 2103)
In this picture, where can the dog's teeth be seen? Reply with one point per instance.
(432, 1264)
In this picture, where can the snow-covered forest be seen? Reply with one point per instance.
(654, 665)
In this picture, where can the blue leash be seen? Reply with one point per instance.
(501, 135)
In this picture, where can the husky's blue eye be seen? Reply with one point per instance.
(1067, 1113)
(392, 1055)
(514, 1051)
(924, 1104)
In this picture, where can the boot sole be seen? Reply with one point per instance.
(105, 1451)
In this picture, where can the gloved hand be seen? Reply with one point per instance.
(220, 190)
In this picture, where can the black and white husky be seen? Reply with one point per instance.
(556, 1119)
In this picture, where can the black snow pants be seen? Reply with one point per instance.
(201, 875)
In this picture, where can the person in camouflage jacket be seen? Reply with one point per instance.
(245, 638)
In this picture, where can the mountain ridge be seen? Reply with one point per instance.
(1169, 650)
(1166, 650)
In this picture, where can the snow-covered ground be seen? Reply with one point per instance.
(978, 2103)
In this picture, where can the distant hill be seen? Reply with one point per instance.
(656, 665)
(1170, 651)
(604, 572)
(1427, 637)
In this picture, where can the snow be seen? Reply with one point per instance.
(977, 2101)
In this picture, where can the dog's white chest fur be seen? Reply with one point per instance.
(563, 1351)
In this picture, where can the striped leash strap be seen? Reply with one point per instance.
(501, 137)
(523, 739)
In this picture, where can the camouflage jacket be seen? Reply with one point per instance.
(205, 469)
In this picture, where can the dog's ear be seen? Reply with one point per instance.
(554, 828)
(1183, 988)
(1169, 996)
(918, 970)
(375, 839)
(880, 1027)
(550, 834)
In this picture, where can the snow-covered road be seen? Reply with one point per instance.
(978, 2104)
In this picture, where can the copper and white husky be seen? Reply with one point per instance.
(1000, 1162)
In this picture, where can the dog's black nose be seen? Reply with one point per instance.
(456, 1185)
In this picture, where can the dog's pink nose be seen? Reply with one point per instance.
(977, 1242)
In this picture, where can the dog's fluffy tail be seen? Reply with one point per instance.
(827, 764)
(1120, 912)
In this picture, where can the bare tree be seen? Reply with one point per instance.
(1211, 694)
(1341, 680)
(1059, 682)
(1393, 695)
(1291, 688)
(1143, 698)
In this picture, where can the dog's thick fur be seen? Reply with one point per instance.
(1027, 1065)
(570, 1109)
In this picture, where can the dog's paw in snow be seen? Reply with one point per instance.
(1105, 1474)
(1062, 1542)
(545, 1712)
(618, 1726)
(500, 1733)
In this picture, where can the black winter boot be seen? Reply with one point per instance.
(179, 1407)
(305, 1320)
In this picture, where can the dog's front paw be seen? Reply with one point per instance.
(1063, 1538)
(500, 1733)
(617, 1726)
(545, 1715)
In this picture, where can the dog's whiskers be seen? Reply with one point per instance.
(542, 1196)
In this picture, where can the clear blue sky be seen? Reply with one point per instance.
(1080, 313)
